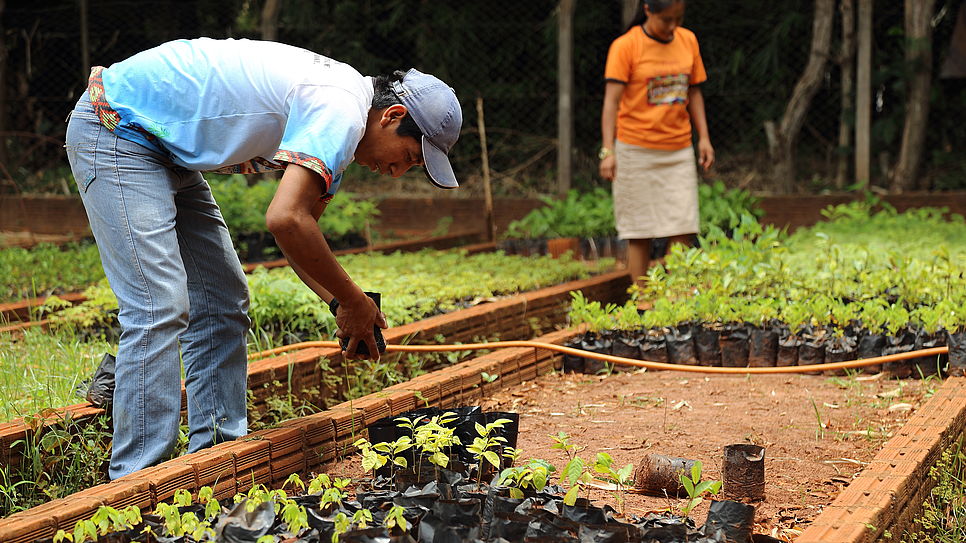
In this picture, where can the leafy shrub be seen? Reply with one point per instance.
(868, 263)
(588, 214)
(47, 269)
(591, 214)
(243, 206)
(723, 207)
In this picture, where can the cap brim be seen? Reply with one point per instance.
(438, 168)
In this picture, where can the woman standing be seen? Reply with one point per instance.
(651, 102)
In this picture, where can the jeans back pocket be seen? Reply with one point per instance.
(83, 132)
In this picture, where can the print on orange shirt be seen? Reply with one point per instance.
(668, 89)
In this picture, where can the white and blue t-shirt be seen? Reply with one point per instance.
(237, 106)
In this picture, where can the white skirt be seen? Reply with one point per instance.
(655, 192)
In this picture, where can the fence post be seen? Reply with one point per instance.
(863, 95)
(485, 158)
(565, 94)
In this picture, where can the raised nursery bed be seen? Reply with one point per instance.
(808, 460)
(511, 317)
(14, 312)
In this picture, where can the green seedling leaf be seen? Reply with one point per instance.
(570, 497)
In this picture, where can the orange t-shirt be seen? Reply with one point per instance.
(653, 109)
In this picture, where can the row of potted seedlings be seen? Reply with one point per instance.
(745, 345)
(438, 477)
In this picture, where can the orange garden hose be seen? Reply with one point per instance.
(935, 351)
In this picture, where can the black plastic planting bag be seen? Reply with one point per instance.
(571, 362)
(101, 390)
(387, 430)
(585, 513)
(707, 346)
(929, 365)
(762, 346)
(243, 526)
(840, 349)
(812, 350)
(903, 342)
(788, 347)
(609, 533)
(627, 344)
(510, 431)
(509, 526)
(870, 346)
(730, 521)
(680, 345)
(653, 346)
(595, 343)
(545, 526)
(734, 345)
(956, 341)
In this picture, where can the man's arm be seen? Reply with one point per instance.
(292, 218)
(326, 296)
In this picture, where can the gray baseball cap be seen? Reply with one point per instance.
(436, 110)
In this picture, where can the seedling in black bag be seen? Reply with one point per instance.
(361, 348)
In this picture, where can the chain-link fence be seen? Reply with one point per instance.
(503, 52)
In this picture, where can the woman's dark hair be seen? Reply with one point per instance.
(656, 6)
(383, 97)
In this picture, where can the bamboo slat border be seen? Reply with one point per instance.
(270, 456)
(888, 494)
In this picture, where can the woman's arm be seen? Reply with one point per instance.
(608, 128)
(700, 123)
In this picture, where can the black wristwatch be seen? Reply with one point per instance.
(333, 306)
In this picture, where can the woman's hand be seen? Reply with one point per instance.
(608, 167)
(705, 153)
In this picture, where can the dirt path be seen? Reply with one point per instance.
(687, 415)
(693, 416)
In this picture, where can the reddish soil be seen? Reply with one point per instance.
(693, 416)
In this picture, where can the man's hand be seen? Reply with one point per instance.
(292, 218)
(356, 319)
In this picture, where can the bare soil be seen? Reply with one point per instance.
(693, 416)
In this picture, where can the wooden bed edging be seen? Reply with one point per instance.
(509, 318)
(270, 456)
(888, 494)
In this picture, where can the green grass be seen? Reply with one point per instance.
(943, 517)
(41, 370)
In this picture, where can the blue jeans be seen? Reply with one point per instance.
(181, 292)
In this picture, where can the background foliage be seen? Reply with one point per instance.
(503, 51)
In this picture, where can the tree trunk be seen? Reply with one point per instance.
(918, 18)
(269, 23)
(847, 71)
(3, 90)
(565, 95)
(782, 145)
